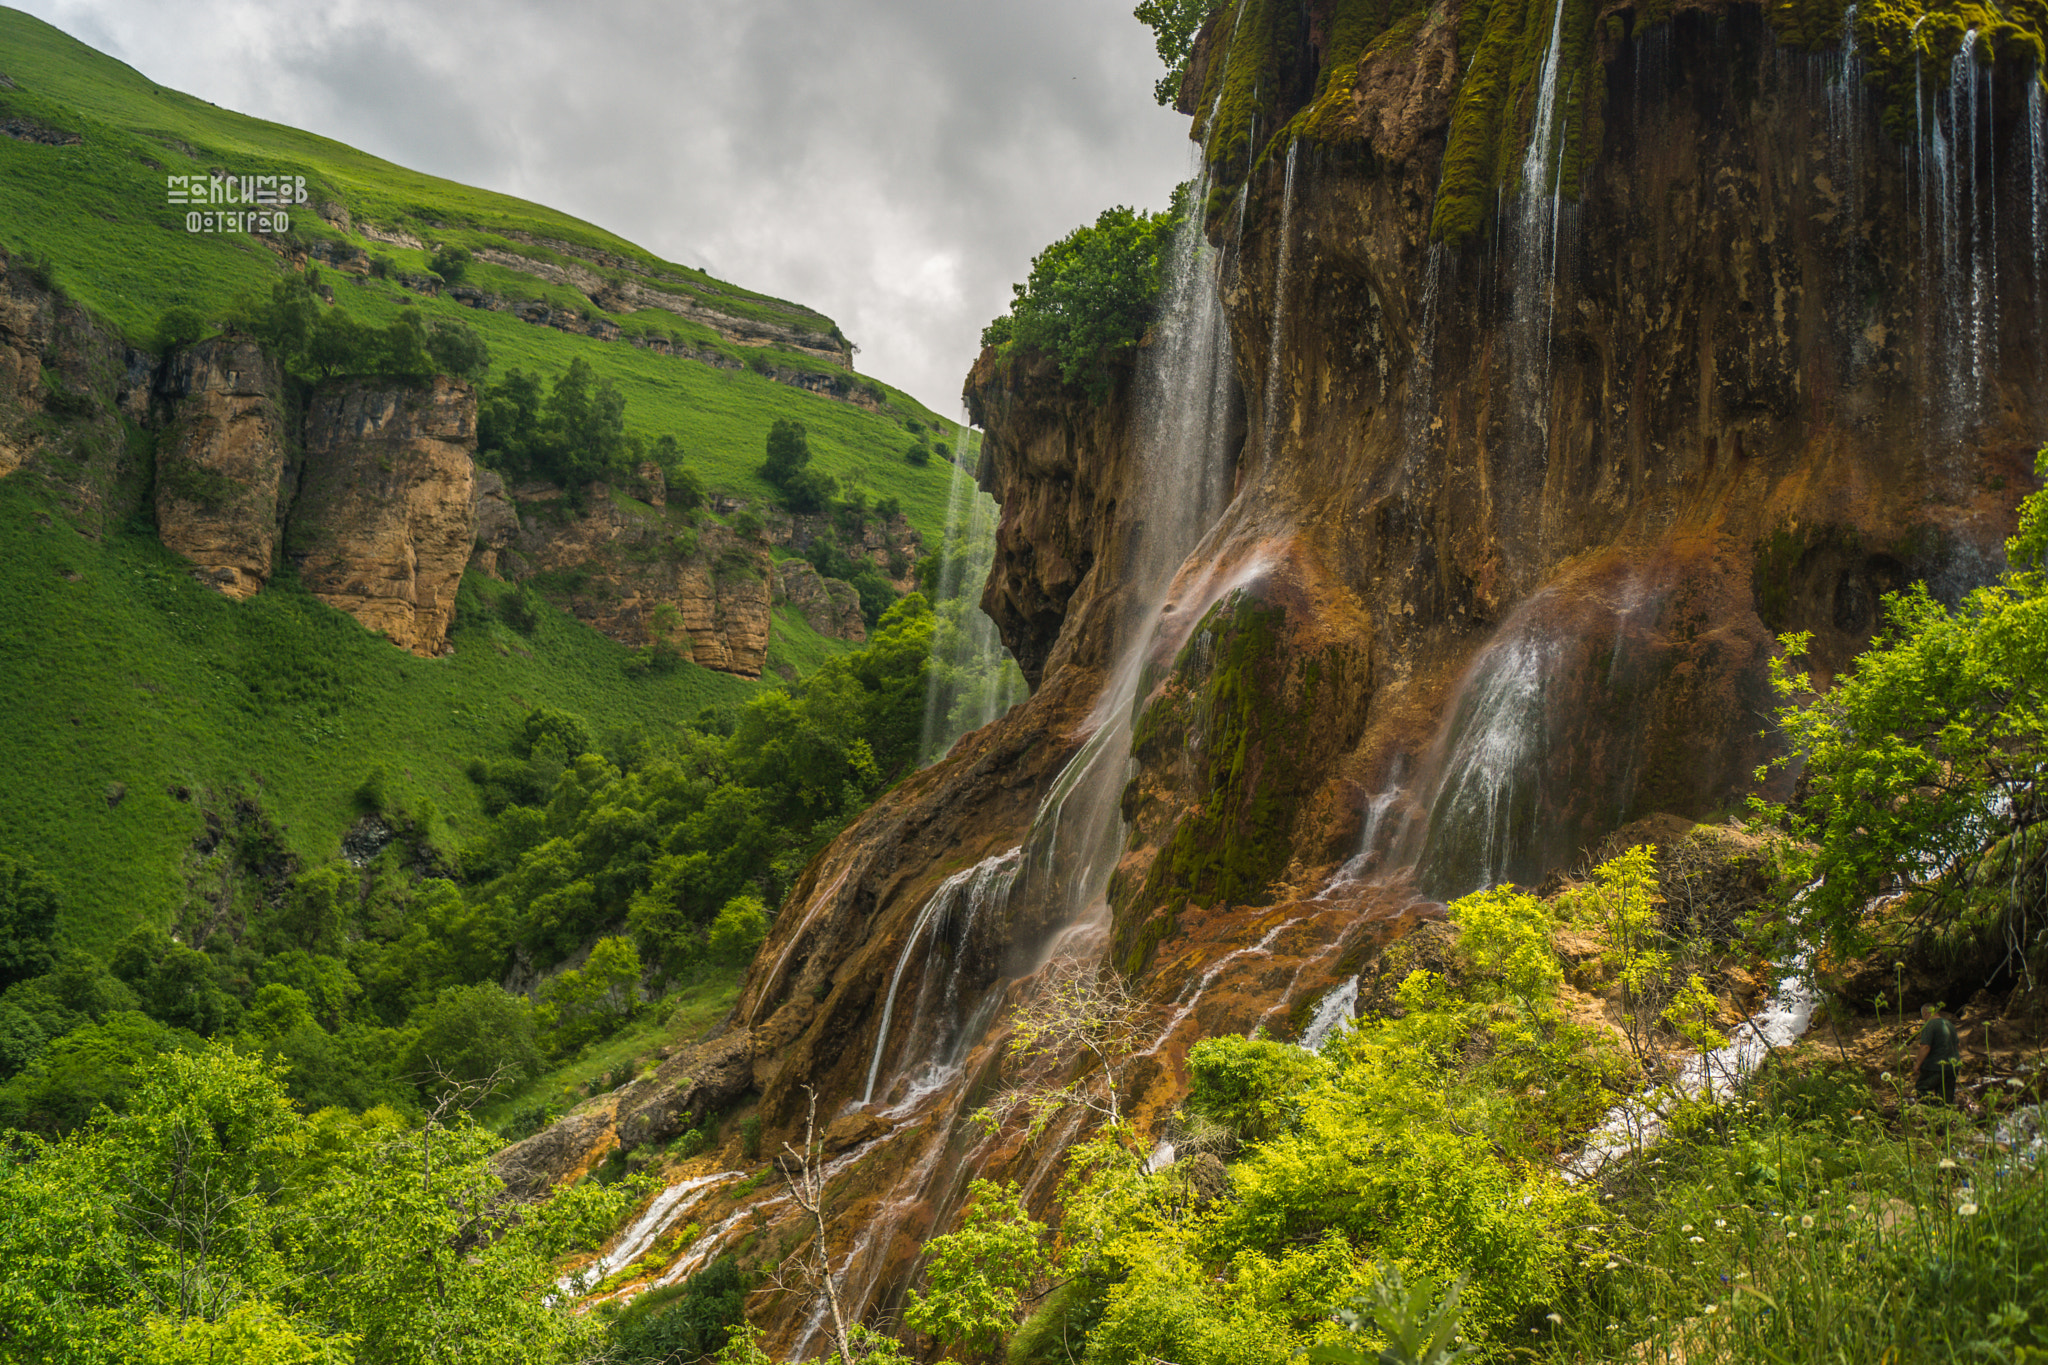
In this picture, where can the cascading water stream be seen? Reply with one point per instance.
(979, 890)
(1535, 253)
(971, 679)
(1184, 398)
(1278, 302)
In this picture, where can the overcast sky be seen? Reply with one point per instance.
(893, 163)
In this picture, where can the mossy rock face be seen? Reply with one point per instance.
(1268, 72)
(1231, 732)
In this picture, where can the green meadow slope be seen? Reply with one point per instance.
(142, 704)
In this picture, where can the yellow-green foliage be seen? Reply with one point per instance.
(1894, 37)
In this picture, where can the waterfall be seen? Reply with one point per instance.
(1959, 249)
(1535, 249)
(1333, 1015)
(1278, 305)
(971, 678)
(1182, 406)
(960, 903)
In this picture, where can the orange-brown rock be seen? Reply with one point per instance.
(831, 607)
(219, 461)
(384, 518)
(619, 562)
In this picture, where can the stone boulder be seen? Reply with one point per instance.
(558, 1153)
(696, 1081)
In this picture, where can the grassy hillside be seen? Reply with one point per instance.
(97, 210)
(130, 683)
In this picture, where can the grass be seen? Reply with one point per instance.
(1819, 1220)
(792, 644)
(129, 682)
(681, 1016)
(98, 212)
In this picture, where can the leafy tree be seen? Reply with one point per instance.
(180, 326)
(93, 1065)
(1081, 1012)
(788, 467)
(574, 434)
(977, 1277)
(1174, 24)
(1092, 294)
(1253, 1086)
(1924, 767)
(740, 929)
(28, 921)
(691, 1321)
(451, 263)
(473, 1035)
(594, 1000)
(210, 1221)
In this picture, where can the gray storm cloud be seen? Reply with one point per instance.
(894, 163)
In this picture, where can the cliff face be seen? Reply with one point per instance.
(64, 387)
(218, 462)
(1521, 499)
(383, 521)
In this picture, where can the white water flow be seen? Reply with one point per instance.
(1184, 394)
(666, 1209)
(1638, 1123)
(2037, 167)
(1959, 247)
(971, 678)
(1333, 1015)
(1535, 252)
(1845, 106)
(971, 890)
(1191, 997)
(1277, 302)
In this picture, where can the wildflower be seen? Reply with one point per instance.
(1554, 1319)
(1724, 1277)
(1713, 1308)
(1695, 1240)
(1791, 1236)
(1686, 1228)
(1806, 1220)
(1884, 1076)
(1945, 1164)
(1613, 1326)
(1720, 1222)
(1525, 1200)
(1967, 1210)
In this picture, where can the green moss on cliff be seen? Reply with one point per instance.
(1234, 706)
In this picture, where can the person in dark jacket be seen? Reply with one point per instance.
(1937, 1056)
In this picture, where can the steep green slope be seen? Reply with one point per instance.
(83, 177)
(138, 698)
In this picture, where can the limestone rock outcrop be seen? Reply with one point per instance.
(694, 1082)
(219, 462)
(639, 573)
(384, 518)
(831, 607)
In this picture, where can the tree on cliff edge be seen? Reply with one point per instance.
(1925, 769)
(788, 467)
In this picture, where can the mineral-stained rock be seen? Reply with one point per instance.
(830, 606)
(618, 561)
(384, 518)
(561, 1151)
(851, 1130)
(689, 1085)
(219, 460)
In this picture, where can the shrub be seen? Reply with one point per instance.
(451, 263)
(741, 928)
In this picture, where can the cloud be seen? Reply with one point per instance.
(893, 163)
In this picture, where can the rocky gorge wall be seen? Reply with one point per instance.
(1521, 498)
(370, 489)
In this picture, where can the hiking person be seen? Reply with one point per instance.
(1937, 1056)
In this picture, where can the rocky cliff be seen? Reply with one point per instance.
(384, 519)
(1575, 353)
(218, 462)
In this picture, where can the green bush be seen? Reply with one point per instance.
(1092, 294)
